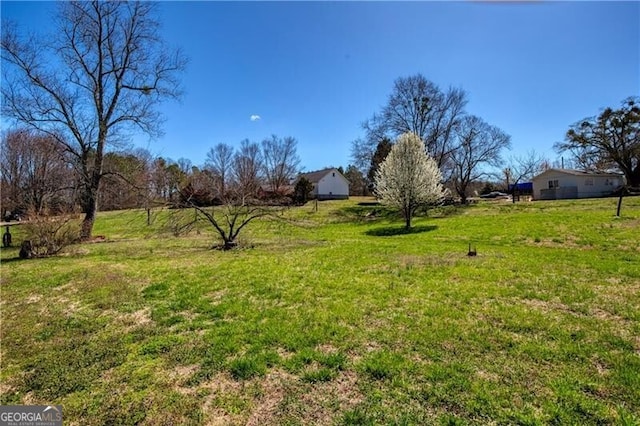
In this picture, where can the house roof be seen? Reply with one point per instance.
(314, 177)
(578, 173)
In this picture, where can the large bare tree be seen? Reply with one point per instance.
(98, 77)
(417, 105)
(247, 169)
(220, 162)
(479, 146)
(280, 162)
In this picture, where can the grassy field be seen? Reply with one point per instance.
(336, 317)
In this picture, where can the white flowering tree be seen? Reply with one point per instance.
(408, 178)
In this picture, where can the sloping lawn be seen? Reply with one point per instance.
(336, 317)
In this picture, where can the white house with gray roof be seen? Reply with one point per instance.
(328, 184)
(556, 184)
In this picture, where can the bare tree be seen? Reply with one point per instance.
(12, 168)
(230, 219)
(416, 105)
(479, 145)
(220, 162)
(239, 202)
(160, 188)
(247, 167)
(100, 75)
(522, 169)
(126, 180)
(281, 162)
(34, 173)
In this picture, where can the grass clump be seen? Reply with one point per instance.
(246, 368)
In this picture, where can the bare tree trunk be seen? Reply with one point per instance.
(89, 208)
(87, 222)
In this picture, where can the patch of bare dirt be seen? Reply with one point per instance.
(548, 306)
(485, 375)
(97, 239)
(275, 387)
(34, 298)
(221, 386)
(5, 388)
(217, 296)
(600, 367)
(284, 354)
(409, 261)
(182, 372)
(326, 349)
(131, 320)
(608, 316)
(179, 375)
(326, 400)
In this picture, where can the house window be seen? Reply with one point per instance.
(553, 184)
(588, 181)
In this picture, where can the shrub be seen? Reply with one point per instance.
(47, 236)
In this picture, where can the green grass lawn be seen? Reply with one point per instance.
(336, 317)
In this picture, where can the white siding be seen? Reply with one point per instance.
(600, 185)
(332, 185)
(557, 184)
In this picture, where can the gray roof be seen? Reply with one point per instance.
(580, 173)
(314, 177)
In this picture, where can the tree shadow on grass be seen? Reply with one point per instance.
(12, 259)
(390, 231)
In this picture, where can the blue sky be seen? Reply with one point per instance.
(316, 70)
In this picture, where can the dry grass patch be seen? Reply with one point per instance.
(427, 260)
(275, 386)
(547, 306)
(324, 402)
(487, 376)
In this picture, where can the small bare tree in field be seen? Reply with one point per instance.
(242, 172)
(522, 169)
(231, 218)
(408, 178)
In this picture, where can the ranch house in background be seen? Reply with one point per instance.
(556, 184)
(328, 184)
